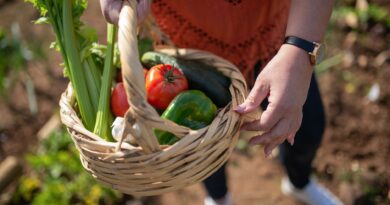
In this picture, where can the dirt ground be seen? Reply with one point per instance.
(353, 160)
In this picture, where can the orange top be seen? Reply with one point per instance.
(241, 31)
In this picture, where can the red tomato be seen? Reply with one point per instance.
(163, 83)
(119, 104)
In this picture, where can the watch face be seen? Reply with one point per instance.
(320, 55)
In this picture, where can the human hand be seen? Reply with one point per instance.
(285, 80)
(111, 9)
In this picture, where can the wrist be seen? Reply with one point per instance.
(299, 55)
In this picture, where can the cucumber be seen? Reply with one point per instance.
(200, 76)
(210, 70)
(151, 58)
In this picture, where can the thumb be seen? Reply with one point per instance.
(258, 93)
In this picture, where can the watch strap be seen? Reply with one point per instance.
(301, 43)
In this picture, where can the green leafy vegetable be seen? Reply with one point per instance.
(83, 58)
(104, 117)
(71, 40)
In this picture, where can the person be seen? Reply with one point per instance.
(275, 45)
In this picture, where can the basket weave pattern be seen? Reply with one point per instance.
(152, 169)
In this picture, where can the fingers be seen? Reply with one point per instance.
(280, 131)
(271, 139)
(270, 147)
(111, 10)
(290, 139)
(295, 127)
(258, 93)
(268, 120)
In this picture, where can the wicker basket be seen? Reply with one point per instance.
(151, 169)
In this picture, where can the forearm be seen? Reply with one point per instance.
(308, 19)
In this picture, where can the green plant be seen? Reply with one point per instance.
(83, 60)
(74, 41)
(57, 177)
(14, 55)
(372, 13)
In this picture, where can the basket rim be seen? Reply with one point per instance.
(67, 108)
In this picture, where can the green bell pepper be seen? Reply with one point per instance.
(192, 109)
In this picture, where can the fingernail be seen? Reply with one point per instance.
(239, 108)
(292, 142)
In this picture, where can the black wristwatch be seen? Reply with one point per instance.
(315, 50)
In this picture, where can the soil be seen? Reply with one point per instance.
(353, 160)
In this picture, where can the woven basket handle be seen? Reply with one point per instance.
(134, 81)
(141, 117)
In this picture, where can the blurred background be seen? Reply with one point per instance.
(40, 165)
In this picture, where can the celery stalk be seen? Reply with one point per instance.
(104, 116)
(93, 89)
(86, 78)
(75, 67)
(96, 73)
